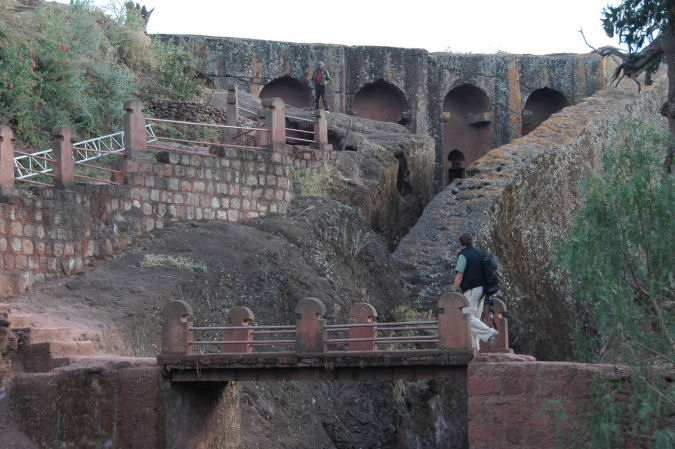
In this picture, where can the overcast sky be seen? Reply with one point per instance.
(476, 26)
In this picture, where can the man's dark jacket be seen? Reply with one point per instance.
(473, 273)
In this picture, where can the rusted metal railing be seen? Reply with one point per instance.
(310, 334)
(188, 145)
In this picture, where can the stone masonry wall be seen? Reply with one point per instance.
(508, 403)
(124, 402)
(304, 157)
(49, 232)
(121, 402)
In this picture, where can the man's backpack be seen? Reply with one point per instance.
(493, 280)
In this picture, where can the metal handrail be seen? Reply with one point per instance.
(210, 125)
(300, 118)
(25, 163)
(234, 328)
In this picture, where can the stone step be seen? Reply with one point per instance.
(41, 357)
(4, 307)
(43, 334)
(20, 320)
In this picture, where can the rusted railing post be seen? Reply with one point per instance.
(453, 324)
(363, 313)
(502, 343)
(239, 316)
(134, 127)
(229, 134)
(176, 329)
(321, 131)
(6, 157)
(63, 154)
(273, 119)
(310, 330)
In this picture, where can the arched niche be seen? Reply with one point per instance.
(540, 105)
(292, 91)
(467, 121)
(380, 101)
(455, 163)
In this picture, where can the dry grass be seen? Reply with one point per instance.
(184, 263)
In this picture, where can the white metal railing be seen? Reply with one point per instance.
(27, 166)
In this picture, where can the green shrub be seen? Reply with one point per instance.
(619, 257)
(72, 65)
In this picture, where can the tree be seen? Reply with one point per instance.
(619, 256)
(636, 22)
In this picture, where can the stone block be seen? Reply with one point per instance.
(27, 247)
(28, 230)
(58, 250)
(20, 262)
(16, 229)
(192, 199)
(166, 197)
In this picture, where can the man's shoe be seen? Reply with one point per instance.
(492, 340)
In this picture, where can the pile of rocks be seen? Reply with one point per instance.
(184, 111)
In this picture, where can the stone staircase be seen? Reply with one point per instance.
(43, 349)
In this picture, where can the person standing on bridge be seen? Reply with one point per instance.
(320, 78)
(469, 280)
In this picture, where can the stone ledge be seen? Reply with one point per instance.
(486, 357)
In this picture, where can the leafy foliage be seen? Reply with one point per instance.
(72, 65)
(636, 21)
(620, 259)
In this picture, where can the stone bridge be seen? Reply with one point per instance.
(468, 103)
(314, 350)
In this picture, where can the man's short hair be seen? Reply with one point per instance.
(465, 239)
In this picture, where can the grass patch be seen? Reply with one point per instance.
(314, 182)
(182, 262)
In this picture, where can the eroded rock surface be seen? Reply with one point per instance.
(517, 201)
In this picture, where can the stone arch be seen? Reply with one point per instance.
(380, 101)
(294, 92)
(467, 122)
(455, 164)
(540, 105)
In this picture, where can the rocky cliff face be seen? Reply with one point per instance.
(517, 201)
(386, 173)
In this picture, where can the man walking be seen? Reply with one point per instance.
(320, 77)
(469, 280)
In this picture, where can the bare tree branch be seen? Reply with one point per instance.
(633, 63)
(581, 30)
